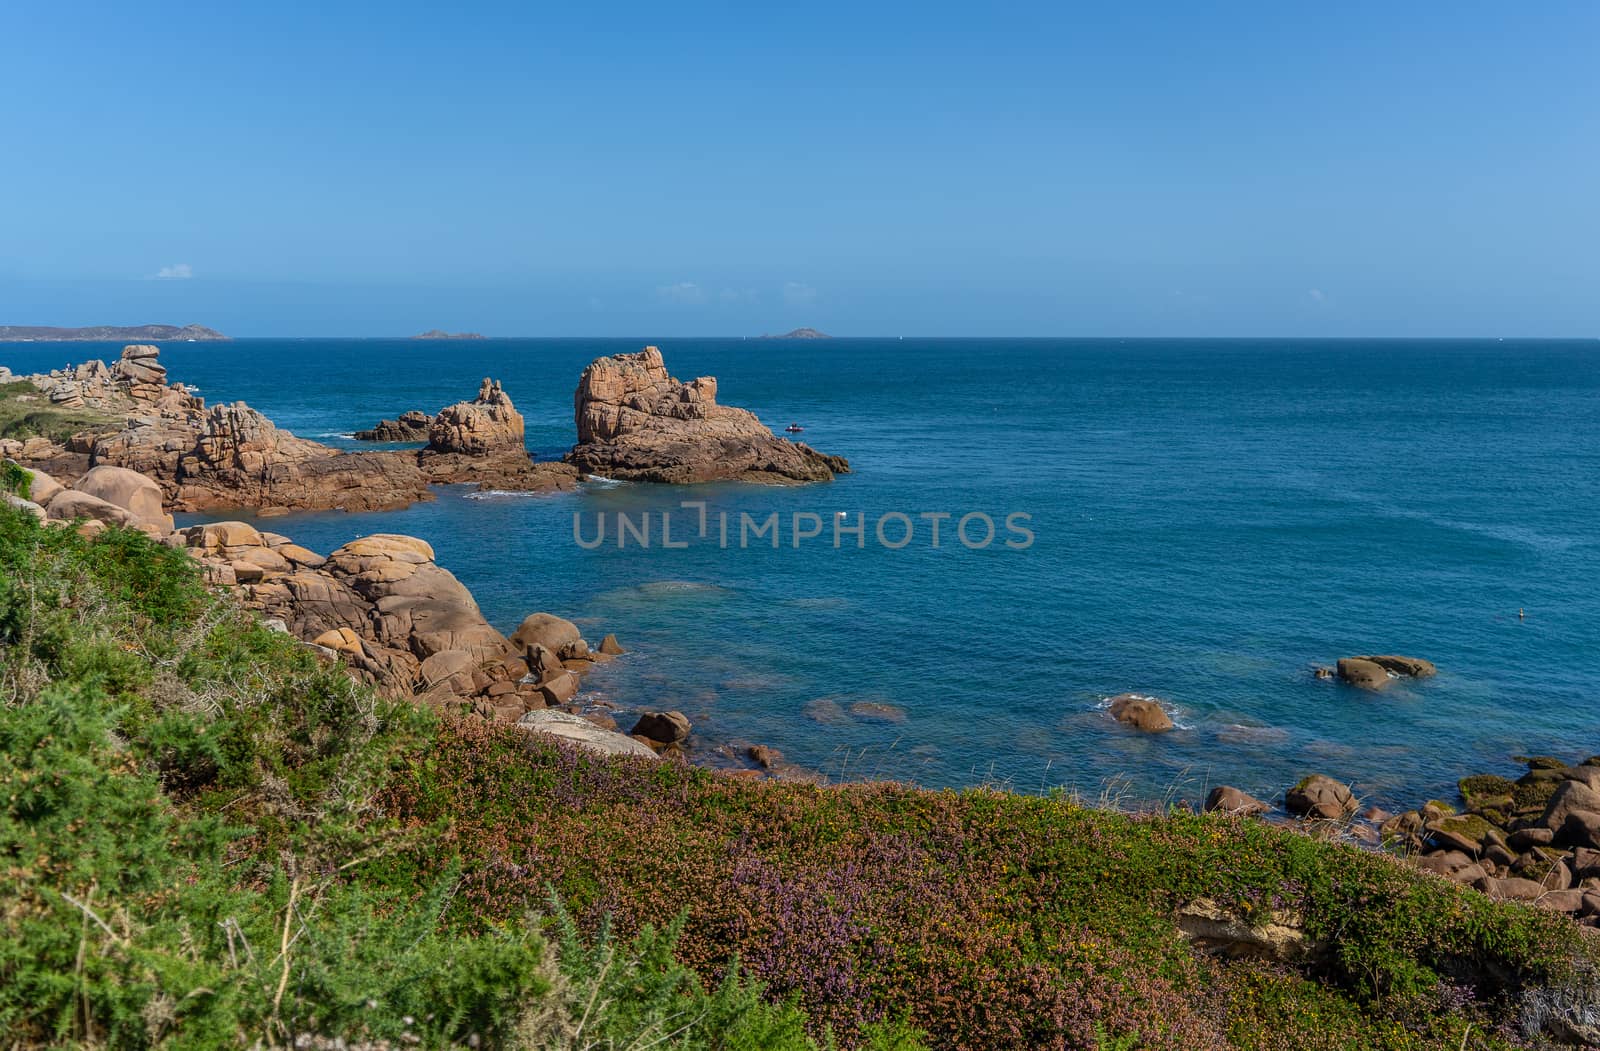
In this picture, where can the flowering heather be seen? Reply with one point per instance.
(986, 919)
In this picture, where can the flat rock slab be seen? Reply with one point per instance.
(583, 733)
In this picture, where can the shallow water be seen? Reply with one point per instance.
(1211, 519)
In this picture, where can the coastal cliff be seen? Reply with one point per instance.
(220, 457)
(636, 421)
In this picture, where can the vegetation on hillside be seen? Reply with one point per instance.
(25, 412)
(208, 838)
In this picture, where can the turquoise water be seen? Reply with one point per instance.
(1211, 518)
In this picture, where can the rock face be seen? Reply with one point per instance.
(635, 421)
(408, 427)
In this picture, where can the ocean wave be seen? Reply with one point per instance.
(600, 481)
(497, 494)
(335, 434)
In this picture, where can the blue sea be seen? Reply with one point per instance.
(1211, 519)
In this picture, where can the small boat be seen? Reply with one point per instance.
(794, 428)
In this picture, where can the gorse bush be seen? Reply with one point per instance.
(190, 855)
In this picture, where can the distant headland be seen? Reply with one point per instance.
(801, 333)
(439, 333)
(145, 333)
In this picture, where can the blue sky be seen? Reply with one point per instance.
(874, 169)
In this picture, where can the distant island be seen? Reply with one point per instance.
(48, 334)
(801, 333)
(439, 333)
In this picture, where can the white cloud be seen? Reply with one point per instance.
(685, 293)
(798, 294)
(175, 272)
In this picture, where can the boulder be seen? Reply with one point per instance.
(43, 488)
(214, 535)
(560, 688)
(340, 640)
(1142, 713)
(1512, 889)
(1451, 864)
(1358, 671)
(547, 630)
(129, 490)
(763, 756)
(1580, 829)
(1570, 797)
(1227, 800)
(636, 421)
(663, 727)
(576, 730)
(448, 670)
(612, 648)
(16, 502)
(69, 504)
(1320, 797)
(1406, 667)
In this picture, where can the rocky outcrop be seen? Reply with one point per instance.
(224, 456)
(385, 607)
(1535, 839)
(481, 442)
(635, 421)
(1139, 712)
(407, 427)
(488, 424)
(231, 456)
(1377, 672)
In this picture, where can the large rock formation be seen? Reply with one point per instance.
(231, 456)
(487, 424)
(635, 421)
(384, 606)
(225, 456)
(479, 441)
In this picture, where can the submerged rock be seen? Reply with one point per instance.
(1376, 672)
(1141, 713)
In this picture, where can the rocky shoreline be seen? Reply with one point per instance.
(383, 606)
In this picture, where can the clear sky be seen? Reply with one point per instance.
(866, 168)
